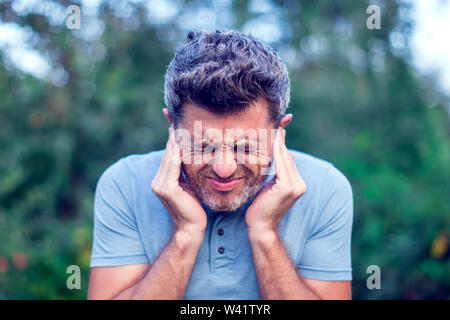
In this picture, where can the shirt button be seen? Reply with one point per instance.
(221, 250)
(220, 232)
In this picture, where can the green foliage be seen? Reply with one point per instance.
(375, 123)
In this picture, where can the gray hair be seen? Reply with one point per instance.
(224, 72)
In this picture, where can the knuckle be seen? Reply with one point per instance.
(284, 189)
(163, 192)
(301, 190)
(298, 191)
(289, 192)
(156, 187)
(302, 185)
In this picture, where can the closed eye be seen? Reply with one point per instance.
(205, 147)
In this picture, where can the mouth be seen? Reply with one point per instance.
(223, 186)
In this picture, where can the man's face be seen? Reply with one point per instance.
(227, 157)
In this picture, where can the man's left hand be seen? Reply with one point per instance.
(277, 196)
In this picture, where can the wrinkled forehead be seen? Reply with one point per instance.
(255, 115)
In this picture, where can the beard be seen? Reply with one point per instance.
(220, 201)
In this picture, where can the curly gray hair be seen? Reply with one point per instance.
(224, 72)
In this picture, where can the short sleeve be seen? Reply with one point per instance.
(327, 252)
(116, 239)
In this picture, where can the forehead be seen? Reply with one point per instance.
(254, 117)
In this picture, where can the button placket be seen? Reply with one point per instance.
(220, 239)
(220, 249)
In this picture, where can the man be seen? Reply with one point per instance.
(231, 215)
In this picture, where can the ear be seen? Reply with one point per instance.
(285, 120)
(167, 115)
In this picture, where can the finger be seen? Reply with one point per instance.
(289, 159)
(280, 167)
(287, 156)
(170, 166)
(165, 160)
(289, 172)
(295, 173)
(284, 152)
(182, 181)
(175, 163)
(292, 156)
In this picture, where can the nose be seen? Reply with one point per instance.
(225, 166)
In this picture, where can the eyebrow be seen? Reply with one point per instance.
(246, 138)
(249, 143)
(239, 139)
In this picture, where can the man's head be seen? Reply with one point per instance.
(237, 89)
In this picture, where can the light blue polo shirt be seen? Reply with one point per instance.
(131, 226)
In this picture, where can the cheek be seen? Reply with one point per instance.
(269, 149)
(192, 170)
(254, 168)
(208, 157)
(191, 157)
(263, 158)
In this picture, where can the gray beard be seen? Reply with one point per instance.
(245, 195)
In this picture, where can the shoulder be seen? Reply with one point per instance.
(328, 189)
(129, 173)
(317, 170)
(323, 180)
(133, 166)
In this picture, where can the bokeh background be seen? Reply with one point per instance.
(373, 102)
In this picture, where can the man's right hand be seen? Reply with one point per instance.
(168, 276)
(182, 204)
